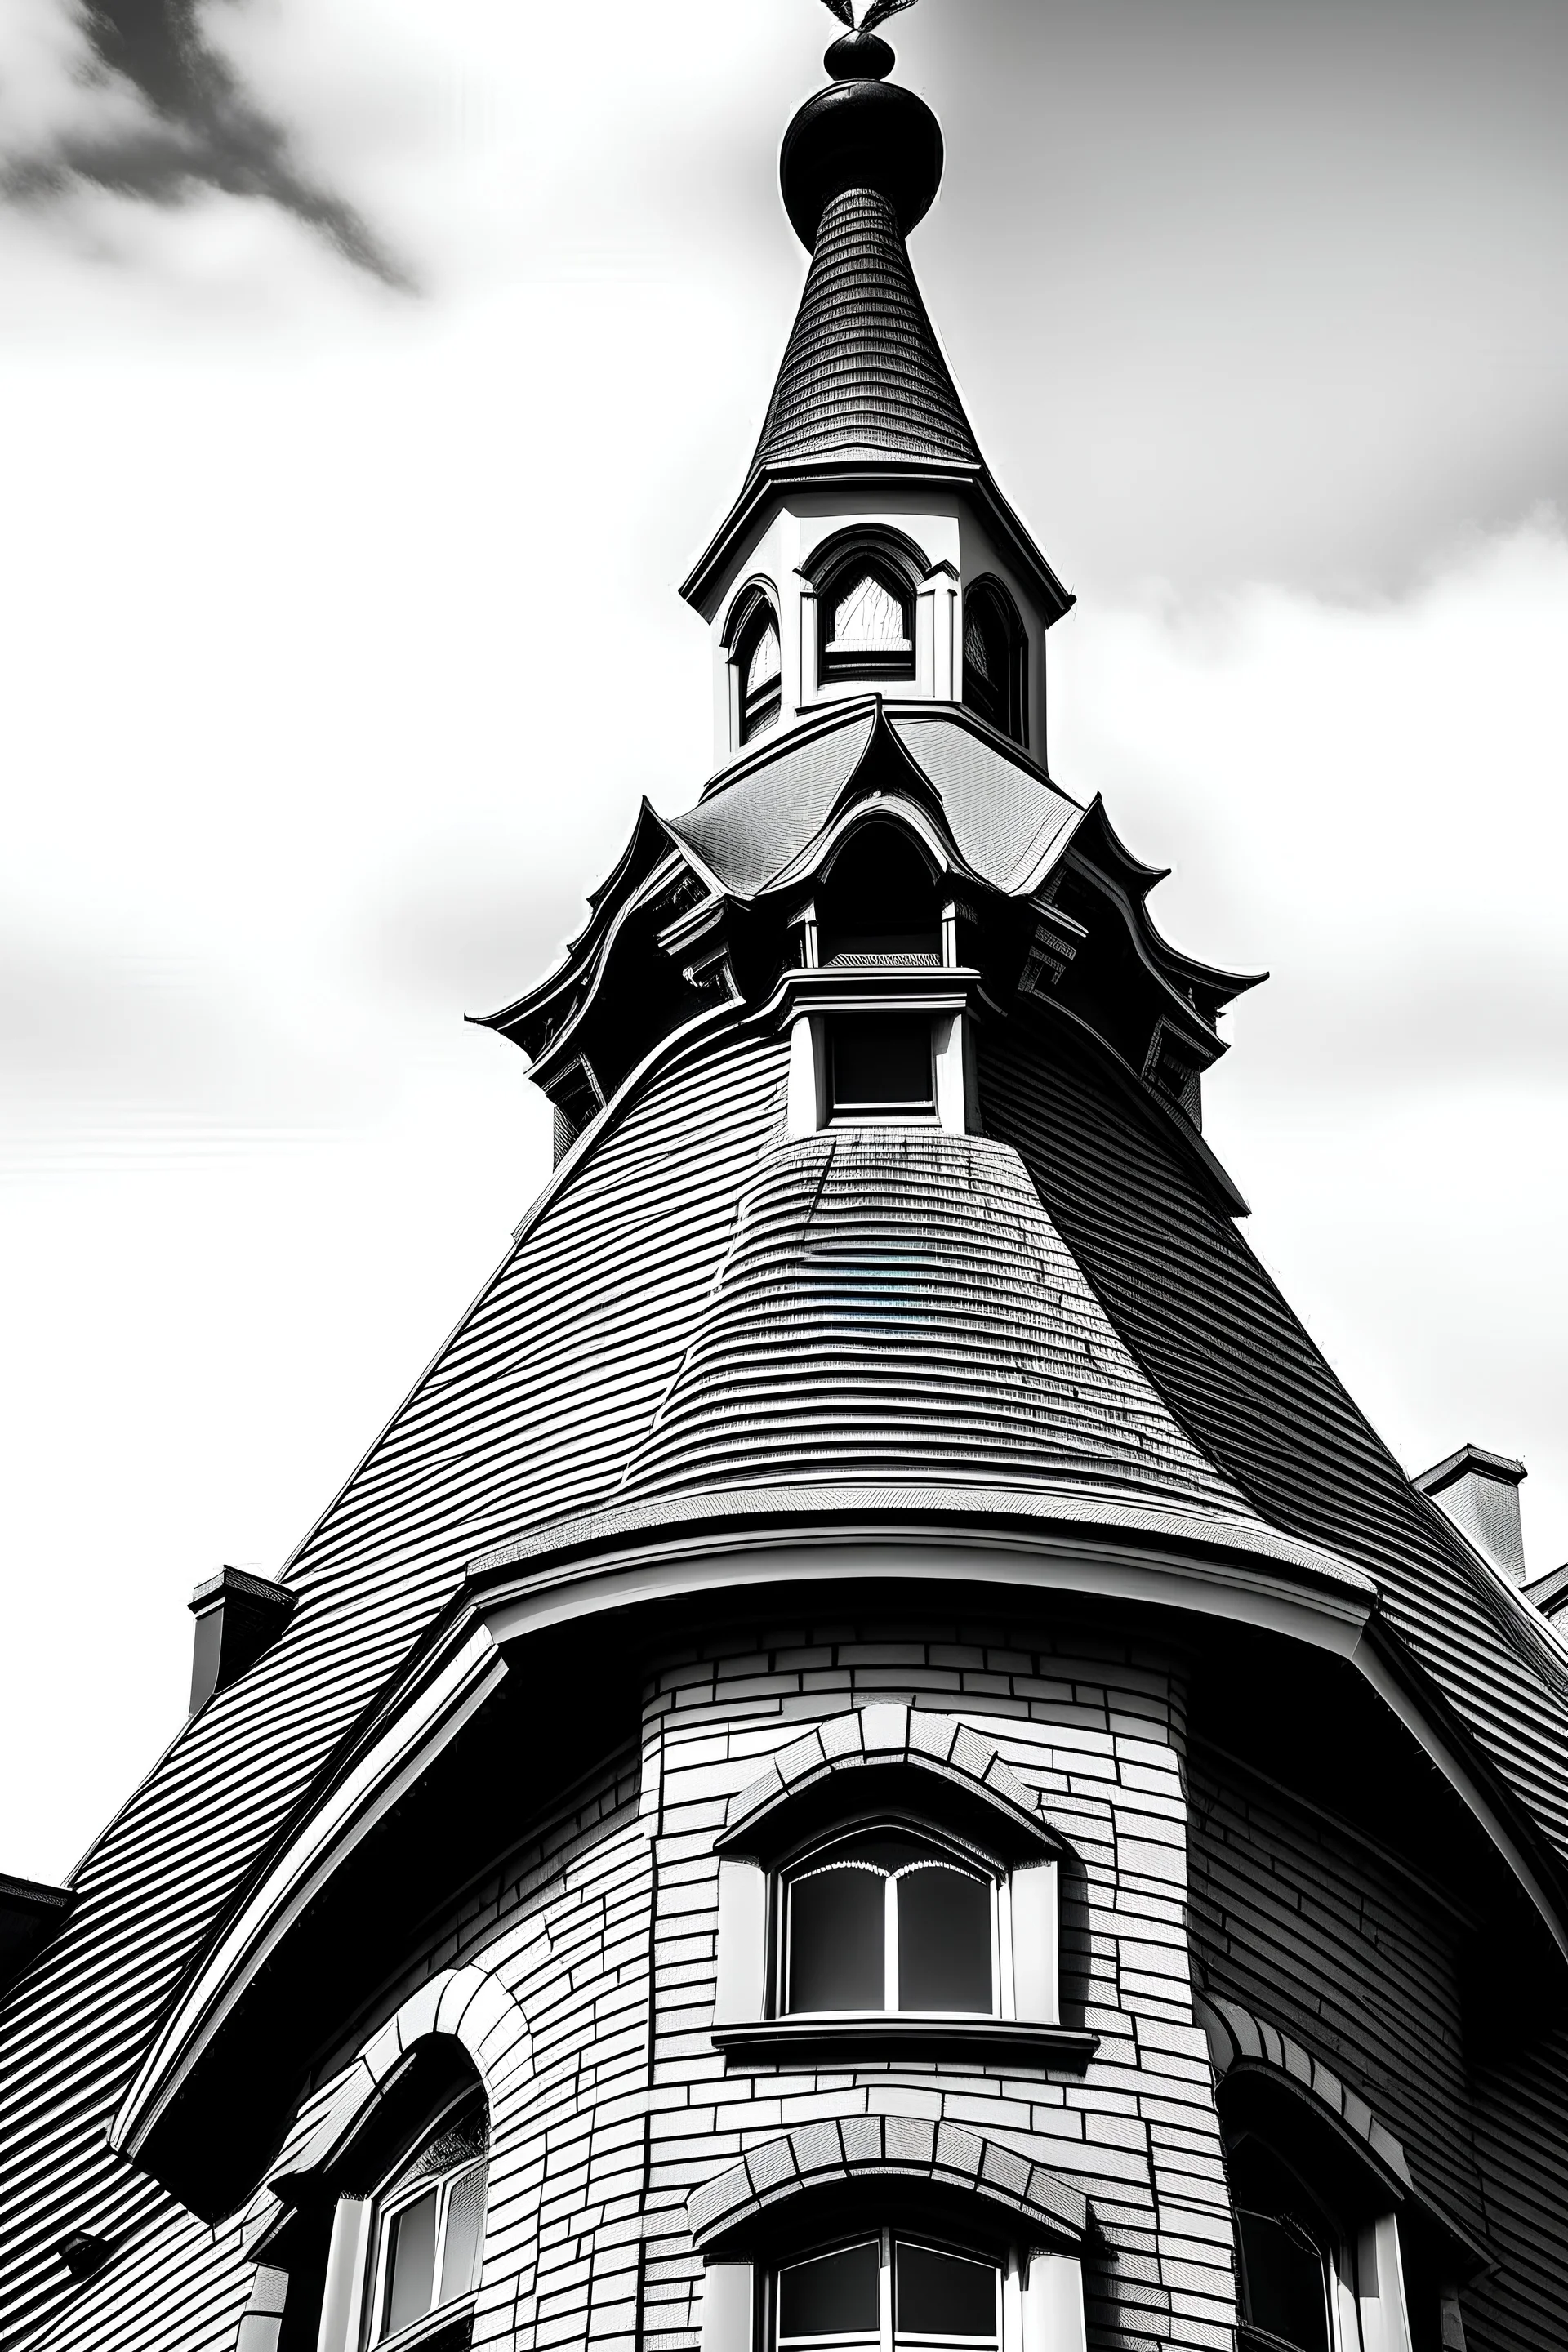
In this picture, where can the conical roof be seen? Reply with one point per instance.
(863, 379)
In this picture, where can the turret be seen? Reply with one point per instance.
(870, 547)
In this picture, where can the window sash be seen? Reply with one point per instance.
(888, 2336)
(389, 2209)
(997, 1922)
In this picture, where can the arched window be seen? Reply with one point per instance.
(887, 1920)
(884, 2291)
(757, 660)
(866, 609)
(878, 902)
(429, 2226)
(995, 659)
(1287, 2246)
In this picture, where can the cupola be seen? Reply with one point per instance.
(869, 549)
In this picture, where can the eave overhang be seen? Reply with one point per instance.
(867, 472)
(1113, 1549)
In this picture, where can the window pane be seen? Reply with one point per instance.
(410, 2265)
(1286, 2290)
(466, 2135)
(765, 664)
(838, 1956)
(868, 616)
(837, 2295)
(944, 1940)
(882, 1062)
(942, 2295)
(465, 2226)
(977, 653)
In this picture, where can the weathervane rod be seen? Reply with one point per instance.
(864, 19)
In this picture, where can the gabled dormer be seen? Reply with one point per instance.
(870, 547)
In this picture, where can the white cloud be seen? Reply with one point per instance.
(340, 643)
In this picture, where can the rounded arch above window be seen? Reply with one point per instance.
(883, 1757)
(995, 660)
(757, 661)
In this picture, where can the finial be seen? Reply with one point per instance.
(865, 16)
(863, 132)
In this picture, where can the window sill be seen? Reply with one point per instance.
(450, 2329)
(982, 2040)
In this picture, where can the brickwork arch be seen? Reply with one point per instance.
(1236, 2037)
(909, 1738)
(908, 2147)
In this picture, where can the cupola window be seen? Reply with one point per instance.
(995, 660)
(879, 903)
(886, 1921)
(881, 1066)
(867, 621)
(758, 665)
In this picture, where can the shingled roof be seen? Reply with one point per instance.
(863, 377)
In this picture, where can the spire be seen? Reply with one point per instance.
(863, 379)
(864, 391)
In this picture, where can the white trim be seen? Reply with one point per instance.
(741, 1992)
(1365, 1657)
(418, 1733)
(1053, 2304)
(1034, 1944)
(1380, 2284)
(727, 2307)
(348, 2261)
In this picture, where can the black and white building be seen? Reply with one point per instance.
(877, 1759)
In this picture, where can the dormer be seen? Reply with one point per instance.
(869, 546)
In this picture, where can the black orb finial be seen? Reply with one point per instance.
(860, 57)
(862, 131)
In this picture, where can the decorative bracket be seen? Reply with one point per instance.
(1056, 941)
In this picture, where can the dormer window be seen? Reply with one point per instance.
(995, 659)
(866, 619)
(757, 664)
(881, 1066)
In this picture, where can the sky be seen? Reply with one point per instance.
(373, 373)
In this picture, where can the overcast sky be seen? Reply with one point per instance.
(373, 372)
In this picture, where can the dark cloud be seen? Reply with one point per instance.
(199, 129)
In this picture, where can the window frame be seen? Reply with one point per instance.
(836, 661)
(942, 1848)
(394, 2196)
(920, 1110)
(888, 2237)
(754, 715)
(1011, 692)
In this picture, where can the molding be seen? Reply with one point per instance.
(429, 1719)
(1241, 2043)
(887, 1735)
(915, 2147)
(828, 2040)
(1371, 1660)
